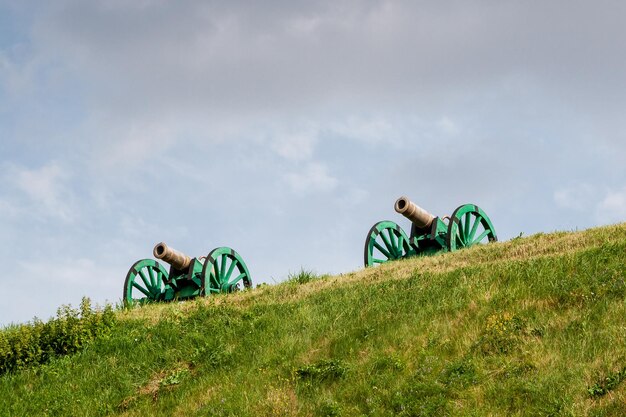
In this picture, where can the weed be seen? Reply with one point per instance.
(324, 370)
(388, 362)
(519, 368)
(174, 377)
(461, 373)
(329, 408)
(501, 334)
(606, 384)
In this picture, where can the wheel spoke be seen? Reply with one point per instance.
(477, 221)
(460, 231)
(382, 250)
(216, 273)
(466, 226)
(386, 241)
(236, 280)
(140, 288)
(159, 280)
(459, 239)
(481, 237)
(152, 279)
(213, 277)
(213, 274)
(144, 279)
(223, 267)
(400, 246)
(230, 270)
(392, 240)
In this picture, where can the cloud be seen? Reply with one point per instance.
(603, 204)
(8, 210)
(67, 272)
(165, 57)
(45, 190)
(295, 145)
(15, 79)
(580, 197)
(313, 177)
(612, 208)
(53, 281)
(133, 145)
(354, 198)
(373, 129)
(168, 71)
(448, 126)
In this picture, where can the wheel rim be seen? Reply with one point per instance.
(224, 271)
(386, 241)
(145, 281)
(469, 226)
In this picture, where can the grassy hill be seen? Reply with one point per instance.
(534, 326)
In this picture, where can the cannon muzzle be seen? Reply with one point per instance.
(177, 259)
(418, 216)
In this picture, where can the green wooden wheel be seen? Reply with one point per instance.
(468, 226)
(386, 241)
(145, 281)
(224, 271)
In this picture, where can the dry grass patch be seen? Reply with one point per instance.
(279, 401)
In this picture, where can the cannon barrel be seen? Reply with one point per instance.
(418, 216)
(173, 257)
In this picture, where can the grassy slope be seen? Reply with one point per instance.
(524, 327)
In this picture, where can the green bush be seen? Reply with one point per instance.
(37, 342)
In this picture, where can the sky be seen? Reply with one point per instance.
(285, 129)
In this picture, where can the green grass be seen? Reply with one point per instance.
(534, 326)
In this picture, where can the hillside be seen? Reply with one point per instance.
(533, 326)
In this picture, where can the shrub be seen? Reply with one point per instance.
(37, 342)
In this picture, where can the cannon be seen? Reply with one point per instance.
(222, 270)
(467, 226)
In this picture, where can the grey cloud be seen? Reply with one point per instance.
(246, 56)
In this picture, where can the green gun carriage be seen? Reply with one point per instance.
(467, 226)
(222, 270)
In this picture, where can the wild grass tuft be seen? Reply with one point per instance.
(303, 276)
